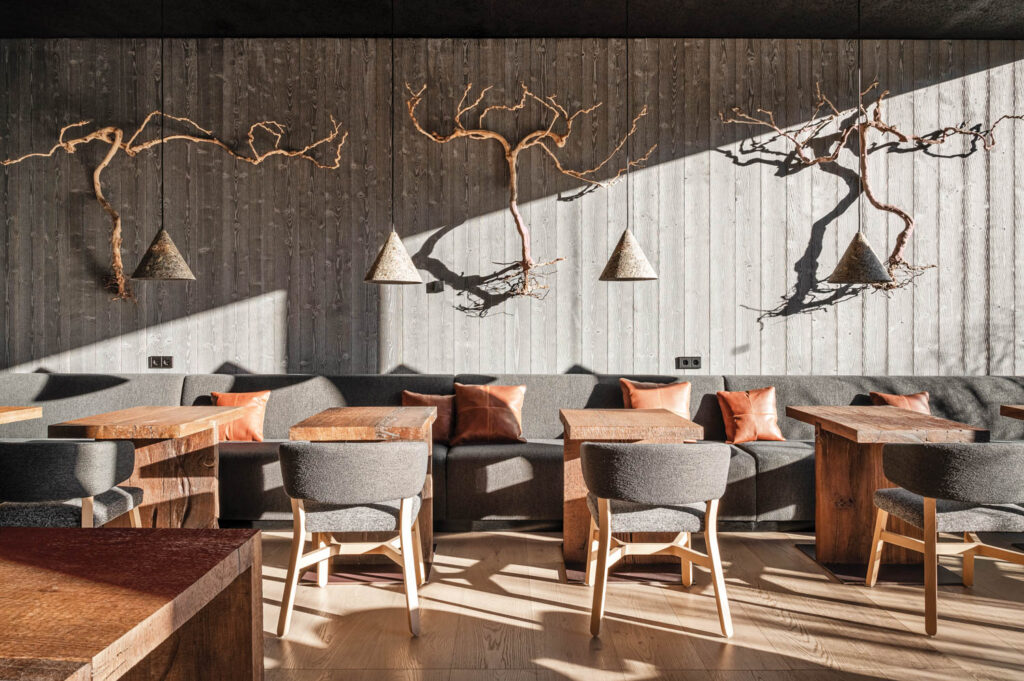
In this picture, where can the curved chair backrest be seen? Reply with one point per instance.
(353, 472)
(976, 473)
(656, 474)
(58, 470)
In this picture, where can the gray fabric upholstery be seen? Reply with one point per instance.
(294, 397)
(250, 483)
(378, 517)
(105, 507)
(545, 395)
(656, 474)
(52, 470)
(739, 503)
(69, 396)
(978, 473)
(353, 472)
(251, 487)
(704, 409)
(785, 479)
(952, 516)
(521, 481)
(630, 517)
(439, 456)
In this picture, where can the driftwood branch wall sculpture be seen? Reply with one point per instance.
(522, 278)
(863, 120)
(114, 137)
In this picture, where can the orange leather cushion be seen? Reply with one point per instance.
(672, 396)
(750, 415)
(916, 402)
(248, 428)
(442, 430)
(489, 413)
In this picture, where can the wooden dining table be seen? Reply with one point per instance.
(848, 442)
(176, 458)
(13, 414)
(607, 425)
(380, 424)
(103, 604)
(1013, 411)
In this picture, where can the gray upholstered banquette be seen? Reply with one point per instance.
(769, 482)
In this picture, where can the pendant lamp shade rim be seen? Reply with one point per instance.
(393, 264)
(628, 261)
(162, 261)
(859, 265)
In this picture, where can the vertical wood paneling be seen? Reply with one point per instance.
(280, 249)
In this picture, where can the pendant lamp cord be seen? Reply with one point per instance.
(393, 153)
(860, 130)
(629, 113)
(163, 113)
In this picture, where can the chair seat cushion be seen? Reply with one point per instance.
(951, 516)
(630, 517)
(382, 517)
(105, 507)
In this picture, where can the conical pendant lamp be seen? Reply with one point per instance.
(393, 265)
(859, 265)
(163, 261)
(628, 262)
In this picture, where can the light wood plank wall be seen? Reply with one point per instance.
(279, 250)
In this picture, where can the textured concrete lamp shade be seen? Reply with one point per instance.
(393, 265)
(628, 262)
(162, 261)
(859, 265)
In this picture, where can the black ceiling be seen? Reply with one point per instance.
(985, 19)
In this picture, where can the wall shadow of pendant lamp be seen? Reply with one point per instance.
(393, 264)
(859, 265)
(163, 262)
(628, 262)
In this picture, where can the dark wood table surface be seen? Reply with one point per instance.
(12, 414)
(176, 460)
(1014, 411)
(848, 469)
(380, 424)
(141, 605)
(607, 425)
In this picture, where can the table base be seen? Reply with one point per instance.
(890, 573)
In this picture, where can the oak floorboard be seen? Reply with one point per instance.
(497, 608)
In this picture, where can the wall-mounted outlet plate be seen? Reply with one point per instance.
(161, 362)
(686, 363)
(436, 286)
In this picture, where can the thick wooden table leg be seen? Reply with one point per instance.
(179, 481)
(575, 516)
(846, 477)
(427, 506)
(222, 642)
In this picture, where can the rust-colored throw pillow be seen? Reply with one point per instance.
(248, 428)
(442, 431)
(916, 402)
(672, 396)
(750, 415)
(488, 413)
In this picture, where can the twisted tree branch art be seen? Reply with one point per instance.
(115, 138)
(522, 278)
(865, 120)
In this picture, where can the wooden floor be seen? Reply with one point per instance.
(497, 609)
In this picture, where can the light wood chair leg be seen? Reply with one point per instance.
(717, 575)
(409, 573)
(417, 547)
(298, 543)
(135, 517)
(875, 556)
(686, 569)
(87, 512)
(931, 568)
(588, 578)
(320, 540)
(604, 544)
(968, 570)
